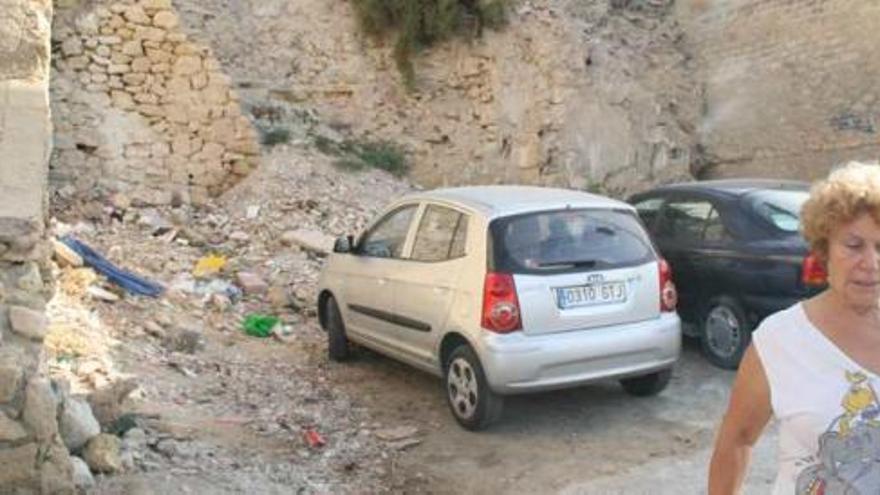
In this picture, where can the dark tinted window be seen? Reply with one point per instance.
(715, 230)
(683, 220)
(782, 209)
(440, 235)
(568, 240)
(386, 238)
(648, 210)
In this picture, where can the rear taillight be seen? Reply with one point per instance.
(500, 304)
(668, 294)
(812, 271)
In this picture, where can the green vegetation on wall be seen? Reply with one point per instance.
(418, 24)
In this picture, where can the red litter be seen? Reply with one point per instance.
(314, 439)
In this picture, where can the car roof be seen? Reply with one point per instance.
(501, 200)
(732, 187)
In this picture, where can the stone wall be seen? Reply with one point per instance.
(791, 86)
(141, 109)
(33, 458)
(571, 93)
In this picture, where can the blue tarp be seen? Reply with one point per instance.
(125, 279)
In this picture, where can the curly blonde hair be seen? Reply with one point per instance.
(847, 193)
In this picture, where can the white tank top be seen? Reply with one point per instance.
(827, 406)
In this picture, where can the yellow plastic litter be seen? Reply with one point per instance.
(209, 265)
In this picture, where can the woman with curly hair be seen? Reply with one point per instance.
(815, 367)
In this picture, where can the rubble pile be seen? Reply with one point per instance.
(175, 384)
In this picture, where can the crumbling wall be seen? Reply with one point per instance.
(33, 458)
(595, 95)
(790, 87)
(141, 109)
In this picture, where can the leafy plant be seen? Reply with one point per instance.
(358, 154)
(418, 24)
(276, 135)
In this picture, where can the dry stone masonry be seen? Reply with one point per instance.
(140, 109)
(33, 458)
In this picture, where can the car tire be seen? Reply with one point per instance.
(726, 332)
(337, 342)
(647, 385)
(472, 402)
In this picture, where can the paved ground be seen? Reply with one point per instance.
(589, 440)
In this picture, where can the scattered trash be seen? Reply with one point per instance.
(102, 294)
(209, 265)
(397, 434)
(127, 280)
(257, 325)
(313, 438)
(65, 255)
(253, 212)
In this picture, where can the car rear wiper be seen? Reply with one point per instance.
(572, 263)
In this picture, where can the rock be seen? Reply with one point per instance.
(154, 329)
(102, 294)
(28, 323)
(10, 381)
(185, 341)
(56, 470)
(102, 454)
(397, 434)
(82, 475)
(18, 465)
(40, 409)
(134, 439)
(66, 256)
(106, 401)
(405, 443)
(251, 283)
(278, 297)
(78, 423)
(309, 240)
(239, 236)
(157, 224)
(165, 20)
(10, 431)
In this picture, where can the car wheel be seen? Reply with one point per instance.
(647, 385)
(474, 405)
(337, 342)
(726, 333)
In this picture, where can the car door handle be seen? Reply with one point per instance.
(382, 281)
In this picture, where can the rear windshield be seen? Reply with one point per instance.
(568, 241)
(782, 209)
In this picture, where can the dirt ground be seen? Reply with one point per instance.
(589, 440)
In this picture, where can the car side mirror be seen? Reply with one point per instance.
(343, 244)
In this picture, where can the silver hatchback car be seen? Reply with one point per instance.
(503, 290)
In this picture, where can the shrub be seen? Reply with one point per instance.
(276, 135)
(358, 154)
(421, 23)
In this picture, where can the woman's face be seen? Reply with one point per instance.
(854, 262)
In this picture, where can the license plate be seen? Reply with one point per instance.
(590, 295)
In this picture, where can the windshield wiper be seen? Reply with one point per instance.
(572, 263)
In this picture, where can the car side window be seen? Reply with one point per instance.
(715, 230)
(386, 238)
(441, 235)
(684, 220)
(648, 210)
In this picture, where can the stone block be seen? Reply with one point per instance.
(28, 323)
(102, 454)
(78, 423)
(135, 14)
(136, 78)
(40, 409)
(18, 466)
(56, 471)
(166, 20)
(133, 48)
(187, 65)
(141, 64)
(10, 430)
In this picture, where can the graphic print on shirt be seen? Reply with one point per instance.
(848, 461)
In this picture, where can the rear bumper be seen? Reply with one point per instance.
(517, 363)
